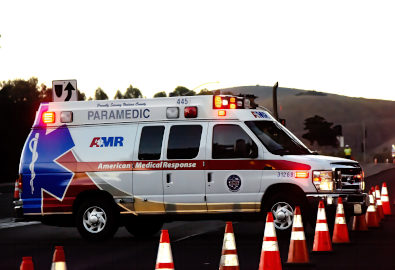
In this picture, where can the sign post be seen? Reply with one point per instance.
(64, 90)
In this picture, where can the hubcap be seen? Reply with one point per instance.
(94, 219)
(282, 215)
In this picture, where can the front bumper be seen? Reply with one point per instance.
(354, 204)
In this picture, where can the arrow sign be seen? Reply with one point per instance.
(70, 90)
(64, 90)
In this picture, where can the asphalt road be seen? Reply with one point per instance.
(195, 245)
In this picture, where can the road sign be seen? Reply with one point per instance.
(64, 90)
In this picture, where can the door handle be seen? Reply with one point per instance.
(168, 178)
(209, 177)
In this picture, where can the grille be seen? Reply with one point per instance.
(348, 177)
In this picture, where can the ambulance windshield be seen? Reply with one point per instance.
(277, 139)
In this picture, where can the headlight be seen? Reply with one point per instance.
(323, 180)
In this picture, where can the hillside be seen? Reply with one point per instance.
(296, 105)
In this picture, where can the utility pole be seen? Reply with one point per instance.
(275, 101)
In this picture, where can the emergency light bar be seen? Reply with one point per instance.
(228, 102)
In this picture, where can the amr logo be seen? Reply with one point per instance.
(107, 142)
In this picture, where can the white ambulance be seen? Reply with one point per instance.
(141, 162)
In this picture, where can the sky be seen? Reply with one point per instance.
(342, 47)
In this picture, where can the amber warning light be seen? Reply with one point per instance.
(48, 117)
(228, 102)
(302, 174)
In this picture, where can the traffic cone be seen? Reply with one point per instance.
(270, 254)
(385, 200)
(340, 232)
(380, 210)
(229, 259)
(27, 264)
(165, 258)
(298, 249)
(322, 238)
(359, 223)
(371, 215)
(58, 260)
(373, 192)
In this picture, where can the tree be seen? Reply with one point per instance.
(319, 130)
(118, 95)
(205, 91)
(100, 94)
(182, 91)
(132, 92)
(160, 94)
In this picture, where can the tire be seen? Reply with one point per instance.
(143, 229)
(96, 220)
(283, 207)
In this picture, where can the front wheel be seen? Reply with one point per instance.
(282, 208)
(96, 220)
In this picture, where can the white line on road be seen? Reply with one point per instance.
(10, 223)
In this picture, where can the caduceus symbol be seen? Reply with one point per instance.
(33, 149)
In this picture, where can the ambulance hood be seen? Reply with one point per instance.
(318, 162)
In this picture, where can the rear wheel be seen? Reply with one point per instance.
(96, 220)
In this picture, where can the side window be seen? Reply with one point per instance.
(151, 142)
(184, 141)
(231, 141)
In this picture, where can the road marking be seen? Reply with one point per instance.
(10, 223)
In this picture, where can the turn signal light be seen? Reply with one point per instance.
(221, 113)
(48, 117)
(302, 174)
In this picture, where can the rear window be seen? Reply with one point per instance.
(184, 141)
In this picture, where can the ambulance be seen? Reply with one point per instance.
(138, 163)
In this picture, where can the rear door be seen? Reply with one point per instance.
(233, 173)
(183, 172)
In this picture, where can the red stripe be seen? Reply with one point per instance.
(164, 265)
(269, 238)
(229, 251)
(297, 229)
(321, 221)
(70, 163)
(340, 215)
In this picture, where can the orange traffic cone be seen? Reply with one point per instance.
(380, 210)
(373, 192)
(229, 259)
(385, 199)
(58, 260)
(165, 258)
(298, 249)
(27, 264)
(322, 238)
(371, 215)
(340, 232)
(359, 223)
(270, 254)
